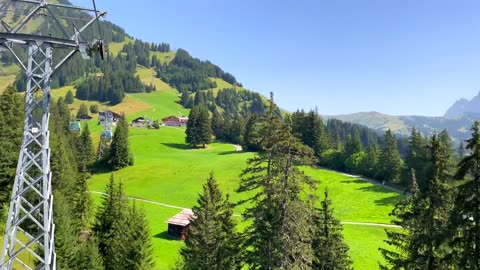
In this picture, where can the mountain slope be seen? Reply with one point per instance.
(458, 128)
(464, 107)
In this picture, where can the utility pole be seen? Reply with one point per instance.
(30, 228)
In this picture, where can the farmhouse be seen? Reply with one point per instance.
(175, 121)
(102, 115)
(178, 224)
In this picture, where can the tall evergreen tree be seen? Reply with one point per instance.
(425, 218)
(212, 242)
(120, 155)
(139, 251)
(217, 125)
(69, 97)
(82, 111)
(278, 235)
(198, 127)
(465, 217)
(11, 130)
(391, 163)
(331, 252)
(352, 145)
(81, 204)
(417, 156)
(88, 257)
(108, 223)
(85, 151)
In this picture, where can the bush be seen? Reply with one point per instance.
(94, 108)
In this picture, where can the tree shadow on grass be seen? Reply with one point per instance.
(179, 146)
(165, 236)
(229, 152)
(393, 199)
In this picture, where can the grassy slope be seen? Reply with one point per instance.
(7, 75)
(166, 170)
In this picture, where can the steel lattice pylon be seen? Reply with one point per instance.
(31, 206)
(30, 229)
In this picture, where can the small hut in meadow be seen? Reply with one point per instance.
(178, 224)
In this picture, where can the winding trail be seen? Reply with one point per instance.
(238, 215)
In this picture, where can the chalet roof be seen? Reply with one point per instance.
(183, 218)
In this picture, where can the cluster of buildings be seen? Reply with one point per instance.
(171, 121)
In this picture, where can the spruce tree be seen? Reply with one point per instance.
(69, 97)
(120, 155)
(81, 204)
(278, 235)
(331, 252)
(82, 111)
(11, 130)
(85, 151)
(465, 217)
(198, 127)
(425, 218)
(108, 223)
(391, 163)
(404, 215)
(139, 251)
(212, 242)
(417, 156)
(87, 256)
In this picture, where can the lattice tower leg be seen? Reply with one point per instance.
(30, 230)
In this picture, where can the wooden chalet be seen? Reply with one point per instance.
(102, 115)
(178, 224)
(175, 121)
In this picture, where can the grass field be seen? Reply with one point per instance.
(168, 171)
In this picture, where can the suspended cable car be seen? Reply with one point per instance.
(106, 135)
(74, 127)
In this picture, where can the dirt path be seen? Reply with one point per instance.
(238, 215)
(374, 182)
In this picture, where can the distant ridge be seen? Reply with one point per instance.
(464, 107)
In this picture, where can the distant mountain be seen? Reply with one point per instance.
(463, 107)
(458, 127)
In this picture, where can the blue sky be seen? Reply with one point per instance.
(343, 56)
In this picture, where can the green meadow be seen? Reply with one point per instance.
(166, 170)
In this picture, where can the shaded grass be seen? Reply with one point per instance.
(163, 103)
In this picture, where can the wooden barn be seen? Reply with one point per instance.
(178, 224)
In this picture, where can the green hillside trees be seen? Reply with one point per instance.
(198, 127)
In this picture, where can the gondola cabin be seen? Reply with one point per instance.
(106, 135)
(75, 127)
(178, 224)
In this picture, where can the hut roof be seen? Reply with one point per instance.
(183, 218)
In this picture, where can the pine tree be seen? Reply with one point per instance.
(217, 125)
(198, 127)
(352, 145)
(120, 155)
(278, 236)
(85, 152)
(465, 217)
(139, 251)
(331, 252)
(82, 111)
(417, 155)
(391, 163)
(404, 215)
(69, 97)
(212, 242)
(108, 223)
(88, 257)
(424, 218)
(82, 204)
(11, 129)
(65, 233)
